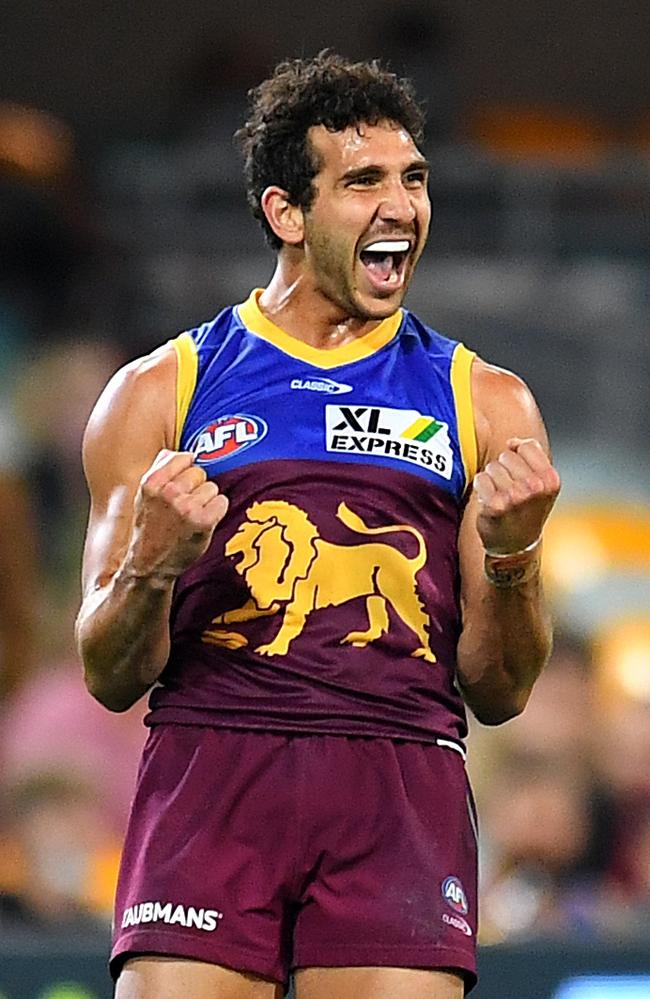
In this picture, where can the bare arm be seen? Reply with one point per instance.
(152, 514)
(506, 633)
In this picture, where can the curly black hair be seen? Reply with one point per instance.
(326, 90)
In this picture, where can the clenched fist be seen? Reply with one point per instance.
(515, 495)
(176, 511)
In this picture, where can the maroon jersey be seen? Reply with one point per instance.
(327, 601)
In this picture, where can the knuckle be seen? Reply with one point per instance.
(208, 520)
(170, 491)
(548, 485)
(194, 475)
(184, 507)
(521, 491)
(497, 506)
(150, 488)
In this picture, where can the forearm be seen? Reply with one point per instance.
(123, 637)
(505, 642)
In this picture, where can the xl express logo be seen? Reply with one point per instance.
(405, 434)
(226, 436)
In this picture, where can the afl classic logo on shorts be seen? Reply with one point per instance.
(226, 436)
(454, 895)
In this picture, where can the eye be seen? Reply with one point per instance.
(415, 178)
(365, 180)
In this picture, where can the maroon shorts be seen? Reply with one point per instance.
(265, 853)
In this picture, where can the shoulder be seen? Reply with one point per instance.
(493, 386)
(504, 407)
(142, 382)
(139, 400)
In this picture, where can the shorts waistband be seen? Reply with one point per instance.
(448, 744)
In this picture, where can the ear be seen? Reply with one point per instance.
(286, 220)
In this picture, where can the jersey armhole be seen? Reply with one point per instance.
(187, 365)
(461, 385)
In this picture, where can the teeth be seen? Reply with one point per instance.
(388, 246)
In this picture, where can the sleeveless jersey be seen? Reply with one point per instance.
(328, 600)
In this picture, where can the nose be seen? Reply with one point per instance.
(397, 205)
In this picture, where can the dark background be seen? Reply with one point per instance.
(539, 258)
(111, 66)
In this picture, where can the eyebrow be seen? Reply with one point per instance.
(378, 171)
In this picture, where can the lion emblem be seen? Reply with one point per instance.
(290, 570)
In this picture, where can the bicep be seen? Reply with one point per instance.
(132, 421)
(504, 408)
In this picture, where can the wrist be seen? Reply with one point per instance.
(528, 550)
(506, 570)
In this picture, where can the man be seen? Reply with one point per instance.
(289, 541)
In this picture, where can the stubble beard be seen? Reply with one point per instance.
(337, 283)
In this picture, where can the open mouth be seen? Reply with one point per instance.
(385, 263)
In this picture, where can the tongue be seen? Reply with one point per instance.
(381, 267)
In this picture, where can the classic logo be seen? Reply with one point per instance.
(458, 923)
(404, 434)
(454, 895)
(168, 912)
(223, 437)
(327, 385)
(291, 571)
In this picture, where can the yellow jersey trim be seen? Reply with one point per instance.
(461, 386)
(187, 369)
(255, 320)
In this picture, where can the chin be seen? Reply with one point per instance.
(379, 308)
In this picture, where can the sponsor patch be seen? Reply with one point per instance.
(225, 436)
(404, 434)
(172, 914)
(454, 895)
(327, 385)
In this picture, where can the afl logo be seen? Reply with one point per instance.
(226, 436)
(454, 895)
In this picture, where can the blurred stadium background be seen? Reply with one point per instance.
(122, 221)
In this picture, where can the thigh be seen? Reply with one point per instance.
(395, 883)
(377, 983)
(208, 853)
(152, 977)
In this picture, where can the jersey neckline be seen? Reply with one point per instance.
(256, 322)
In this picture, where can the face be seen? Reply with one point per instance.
(368, 223)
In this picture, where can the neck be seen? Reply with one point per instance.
(292, 295)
